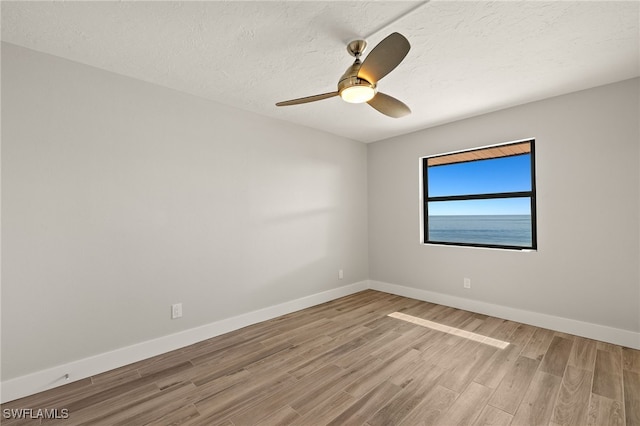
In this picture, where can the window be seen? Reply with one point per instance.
(483, 197)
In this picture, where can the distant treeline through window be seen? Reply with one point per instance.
(483, 197)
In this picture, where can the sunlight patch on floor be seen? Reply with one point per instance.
(451, 330)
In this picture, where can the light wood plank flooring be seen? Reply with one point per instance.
(347, 363)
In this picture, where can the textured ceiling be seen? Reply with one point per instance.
(467, 58)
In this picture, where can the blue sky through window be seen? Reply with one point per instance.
(504, 174)
(500, 206)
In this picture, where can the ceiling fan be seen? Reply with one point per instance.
(359, 83)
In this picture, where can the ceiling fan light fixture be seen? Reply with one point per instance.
(357, 94)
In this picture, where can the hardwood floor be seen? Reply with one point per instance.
(347, 362)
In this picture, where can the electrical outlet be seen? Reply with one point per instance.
(176, 310)
(340, 274)
(467, 283)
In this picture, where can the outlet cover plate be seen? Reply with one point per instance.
(176, 310)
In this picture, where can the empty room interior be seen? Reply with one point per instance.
(346, 213)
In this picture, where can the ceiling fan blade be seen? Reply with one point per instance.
(384, 58)
(307, 99)
(388, 105)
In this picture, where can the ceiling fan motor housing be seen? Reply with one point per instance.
(350, 78)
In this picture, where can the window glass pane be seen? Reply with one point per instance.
(495, 175)
(500, 222)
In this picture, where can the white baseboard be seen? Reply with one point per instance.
(52, 377)
(603, 333)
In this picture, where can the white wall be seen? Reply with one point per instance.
(120, 198)
(588, 193)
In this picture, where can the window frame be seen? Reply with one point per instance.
(486, 196)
